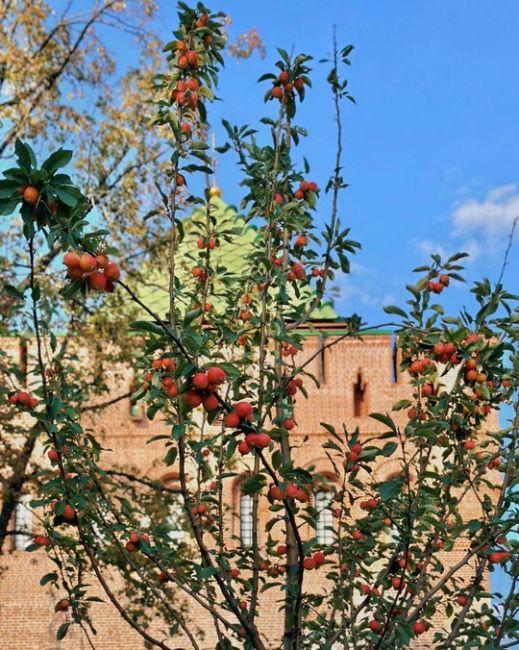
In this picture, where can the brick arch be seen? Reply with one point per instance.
(322, 466)
(171, 477)
(389, 470)
(330, 485)
(386, 470)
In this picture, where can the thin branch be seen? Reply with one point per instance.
(508, 249)
(102, 405)
(337, 186)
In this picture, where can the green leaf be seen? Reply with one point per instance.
(152, 410)
(328, 427)
(206, 92)
(145, 547)
(171, 456)
(474, 525)
(8, 188)
(329, 444)
(48, 577)
(13, 292)
(389, 489)
(56, 405)
(62, 631)
(253, 484)
(385, 419)
(32, 547)
(9, 207)
(146, 326)
(284, 55)
(224, 148)
(457, 256)
(157, 437)
(178, 431)
(56, 160)
(401, 404)
(404, 634)
(207, 572)
(24, 154)
(69, 196)
(391, 309)
(389, 449)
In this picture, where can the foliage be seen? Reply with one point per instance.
(224, 380)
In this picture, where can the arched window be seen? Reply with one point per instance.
(324, 517)
(23, 522)
(175, 518)
(394, 531)
(246, 522)
(174, 502)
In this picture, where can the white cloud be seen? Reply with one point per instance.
(389, 299)
(361, 288)
(478, 225)
(429, 247)
(361, 270)
(350, 293)
(491, 217)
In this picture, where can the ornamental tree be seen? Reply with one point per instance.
(223, 369)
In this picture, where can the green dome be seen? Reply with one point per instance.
(235, 247)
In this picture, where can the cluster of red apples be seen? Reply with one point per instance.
(97, 271)
(23, 400)
(166, 366)
(419, 627)
(135, 537)
(185, 95)
(290, 491)
(351, 464)
(438, 287)
(297, 270)
(285, 85)
(304, 188)
(204, 387)
(68, 512)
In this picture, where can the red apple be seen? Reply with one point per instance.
(216, 375)
(200, 380)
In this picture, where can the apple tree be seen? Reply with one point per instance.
(222, 369)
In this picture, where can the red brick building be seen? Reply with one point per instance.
(357, 378)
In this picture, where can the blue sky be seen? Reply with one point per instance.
(431, 147)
